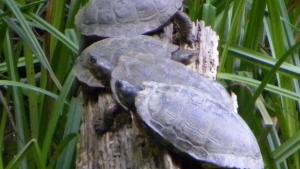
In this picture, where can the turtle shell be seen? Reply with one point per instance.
(195, 123)
(112, 18)
(111, 49)
(136, 68)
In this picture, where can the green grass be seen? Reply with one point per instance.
(33, 44)
(259, 55)
(259, 50)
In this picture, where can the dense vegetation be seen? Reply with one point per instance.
(40, 118)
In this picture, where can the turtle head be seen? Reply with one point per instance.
(99, 66)
(126, 93)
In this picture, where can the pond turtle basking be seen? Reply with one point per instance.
(111, 49)
(137, 68)
(194, 123)
(127, 18)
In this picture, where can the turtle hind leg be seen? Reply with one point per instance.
(185, 27)
(185, 56)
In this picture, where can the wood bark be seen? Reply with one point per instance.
(127, 145)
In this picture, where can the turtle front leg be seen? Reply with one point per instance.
(185, 56)
(185, 27)
(105, 120)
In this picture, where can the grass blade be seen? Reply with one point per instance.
(255, 83)
(72, 126)
(3, 127)
(30, 37)
(273, 71)
(26, 150)
(28, 87)
(17, 97)
(33, 99)
(266, 61)
(56, 112)
(287, 149)
(54, 32)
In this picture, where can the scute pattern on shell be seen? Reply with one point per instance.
(196, 124)
(112, 18)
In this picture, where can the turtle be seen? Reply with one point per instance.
(112, 48)
(100, 19)
(193, 123)
(139, 67)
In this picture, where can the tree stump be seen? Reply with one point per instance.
(127, 145)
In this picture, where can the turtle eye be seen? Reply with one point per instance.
(92, 60)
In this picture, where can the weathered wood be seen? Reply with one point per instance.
(208, 59)
(127, 145)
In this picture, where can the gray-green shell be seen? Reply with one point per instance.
(112, 48)
(112, 18)
(196, 124)
(136, 68)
